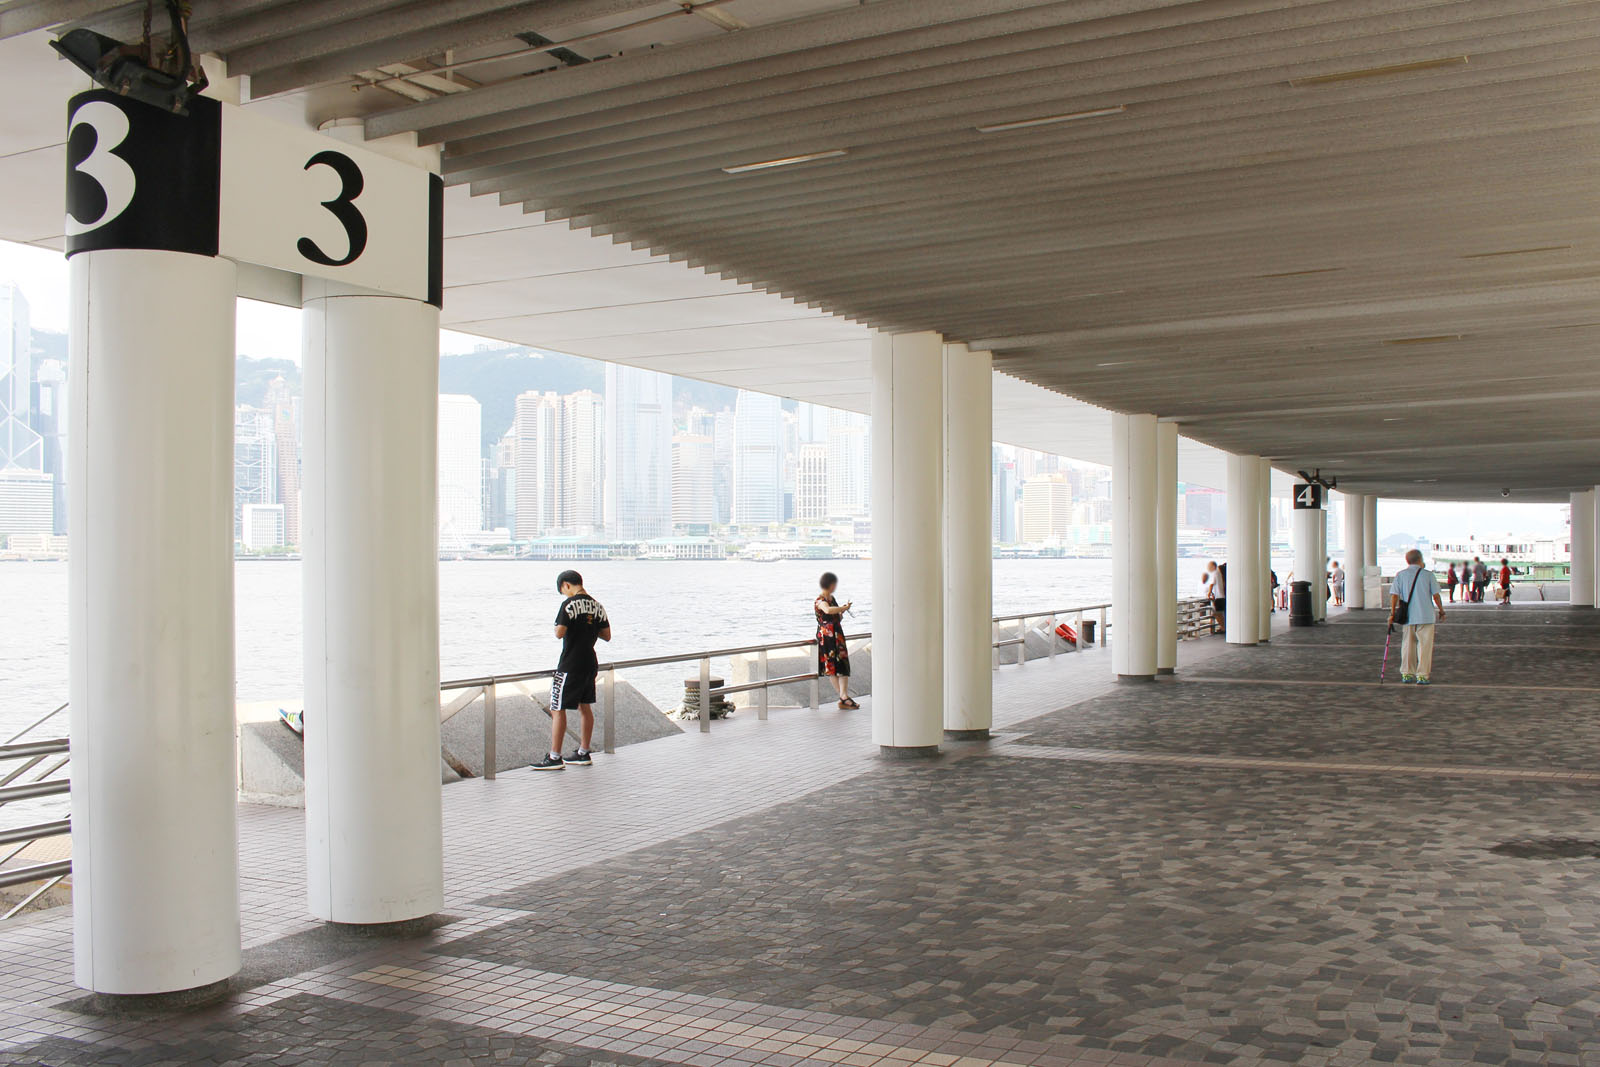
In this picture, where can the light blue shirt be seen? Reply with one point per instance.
(1421, 611)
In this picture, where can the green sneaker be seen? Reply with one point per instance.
(1423, 681)
(1407, 679)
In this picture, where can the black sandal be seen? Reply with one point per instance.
(849, 705)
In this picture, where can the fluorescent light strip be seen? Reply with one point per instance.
(1379, 72)
(1517, 251)
(1300, 273)
(786, 161)
(1051, 120)
(1431, 340)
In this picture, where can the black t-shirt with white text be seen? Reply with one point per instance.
(584, 618)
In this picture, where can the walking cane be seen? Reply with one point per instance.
(1382, 670)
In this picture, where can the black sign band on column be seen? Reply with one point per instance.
(140, 177)
(1307, 496)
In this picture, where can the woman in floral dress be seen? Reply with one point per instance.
(833, 658)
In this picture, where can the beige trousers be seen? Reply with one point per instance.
(1416, 649)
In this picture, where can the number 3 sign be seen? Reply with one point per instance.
(224, 181)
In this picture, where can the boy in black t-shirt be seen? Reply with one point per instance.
(579, 623)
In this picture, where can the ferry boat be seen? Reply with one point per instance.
(1543, 559)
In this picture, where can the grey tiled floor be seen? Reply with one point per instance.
(1282, 863)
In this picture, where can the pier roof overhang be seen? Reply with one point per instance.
(1349, 234)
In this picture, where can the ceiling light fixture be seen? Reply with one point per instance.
(1429, 340)
(1517, 251)
(786, 161)
(1051, 120)
(1379, 72)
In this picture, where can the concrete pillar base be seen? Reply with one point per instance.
(398, 930)
(1136, 678)
(177, 1000)
(967, 735)
(908, 752)
(1166, 670)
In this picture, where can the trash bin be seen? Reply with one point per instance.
(1300, 604)
(1088, 632)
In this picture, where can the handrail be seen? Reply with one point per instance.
(29, 729)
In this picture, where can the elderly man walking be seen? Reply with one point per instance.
(1414, 605)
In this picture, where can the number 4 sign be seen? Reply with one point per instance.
(1307, 496)
(226, 181)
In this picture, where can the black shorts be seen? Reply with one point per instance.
(568, 689)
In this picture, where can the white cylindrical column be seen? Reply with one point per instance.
(1264, 551)
(1595, 522)
(1319, 599)
(1355, 582)
(907, 543)
(1166, 547)
(155, 866)
(1305, 550)
(1369, 550)
(1583, 548)
(1244, 550)
(969, 547)
(1133, 546)
(374, 840)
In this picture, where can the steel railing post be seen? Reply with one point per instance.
(1050, 636)
(1105, 634)
(1077, 628)
(490, 726)
(705, 694)
(816, 688)
(611, 710)
(1022, 642)
(994, 646)
(765, 677)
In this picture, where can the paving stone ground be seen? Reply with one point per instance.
(1282, 864)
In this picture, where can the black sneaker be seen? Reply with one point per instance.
(579, 757)
(550, 763)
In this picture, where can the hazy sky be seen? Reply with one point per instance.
(268, 331)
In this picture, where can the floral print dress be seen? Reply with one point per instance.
(832, 656)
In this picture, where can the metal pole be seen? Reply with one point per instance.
(705, 694)
(816, 689)
(765, 676)
(995, 645)
(489, 729)
(1022, 642)
(611, 711)
(1105, 634)
(1077, 628)
(1051, 637)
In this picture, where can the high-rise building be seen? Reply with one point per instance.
(285, 425)
(500, 501)
(722, 446)
(1205, 509)
(21, 448)
(811, 423)
(536, 433)
(700, 423)
(262, 526)
(638, 453)
(757, 459)
(460, 469)
(849, 464)
(1003, 482)
(255, 463)
(811, 483)
(693, 501)
(1046, 508)
(25, 502)
(583, 463)
(50, 422)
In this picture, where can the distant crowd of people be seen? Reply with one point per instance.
(1474, 578)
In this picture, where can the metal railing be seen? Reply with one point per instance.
(40, 761)
(470, 690)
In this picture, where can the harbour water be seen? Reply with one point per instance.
(496, 616)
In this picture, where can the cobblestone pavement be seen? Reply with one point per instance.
(1280, 864)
